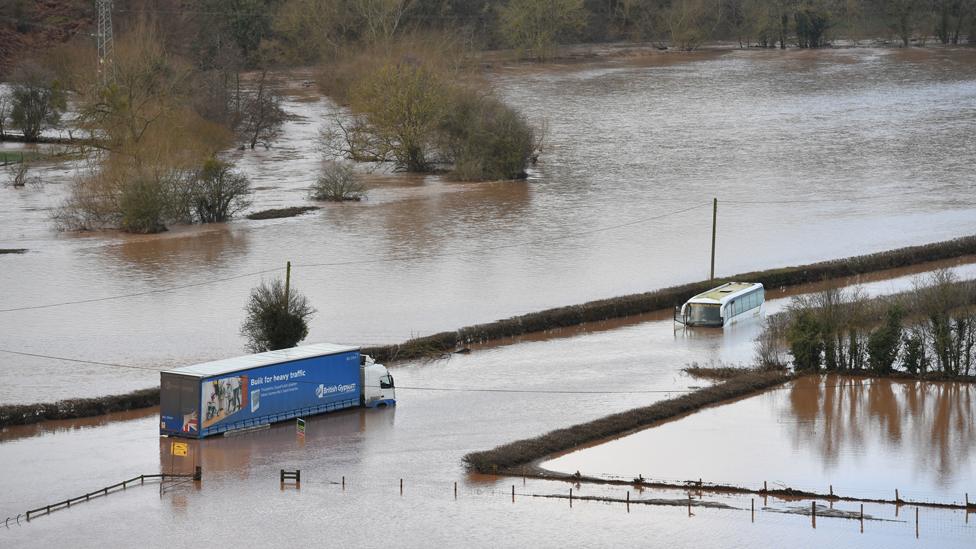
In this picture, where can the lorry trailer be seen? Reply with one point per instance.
(253, 390)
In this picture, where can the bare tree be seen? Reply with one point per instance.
(20, 175)
(381, 19)
(219, 192)
(692, 22)
(538, 26)
(4, 113)
(261, 114)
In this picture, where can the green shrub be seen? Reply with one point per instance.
(805, 341)
(885, 341)
(485, 139)
(143, 205)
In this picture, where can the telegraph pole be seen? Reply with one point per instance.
(103, 12)
(287, 285)
(714, 220)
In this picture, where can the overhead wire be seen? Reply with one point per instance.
(357, 262)
(78, 360)
(439, 389)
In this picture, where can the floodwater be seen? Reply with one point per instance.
(863, 437)
(813, 155)
(446, 408)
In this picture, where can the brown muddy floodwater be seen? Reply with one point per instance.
(864, 437)
(813, 155)
(532, 385)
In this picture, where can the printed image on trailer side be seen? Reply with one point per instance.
(258, 389)
(280, 391)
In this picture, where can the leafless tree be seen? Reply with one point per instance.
(261, 114)
(4, 113)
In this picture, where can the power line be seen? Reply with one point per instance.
(448, 389)
(137, 294)
(95, 362)
(505, 246)
(355, 262)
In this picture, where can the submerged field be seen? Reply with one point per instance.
(812, 155)
(862, 151)
(863, 437)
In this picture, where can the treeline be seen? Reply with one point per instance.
(302, 32)
(930, 329)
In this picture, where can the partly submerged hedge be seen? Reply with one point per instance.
(23, 414)
(523, 452)
(666, 298)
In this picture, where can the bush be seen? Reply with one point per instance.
(273, 321)
(143, 205)
(337, 183)
(409, 110)
(884, 342)
(219, 192)
(806, 343)
(37, 100)
(486, 139)
(19, 175)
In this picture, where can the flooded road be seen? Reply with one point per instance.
(813, 155)
(446, 408)
(863, 437)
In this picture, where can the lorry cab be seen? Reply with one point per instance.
(377, 382)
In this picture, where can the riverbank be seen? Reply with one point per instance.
(600, 310)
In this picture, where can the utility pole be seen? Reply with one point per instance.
(103, 13)
(714, 220)
(287, 285)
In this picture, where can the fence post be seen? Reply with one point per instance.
(343, 482)
(570, 497)
(916, 523)
(198, 473)
(753, 506)
(628, 501)
(513, 493)
(813, 513)
(401, 486)
(455, 489)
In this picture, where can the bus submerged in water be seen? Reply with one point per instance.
(722, 305)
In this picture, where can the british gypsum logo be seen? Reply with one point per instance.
(322, 391)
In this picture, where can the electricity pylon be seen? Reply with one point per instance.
(103, 9)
